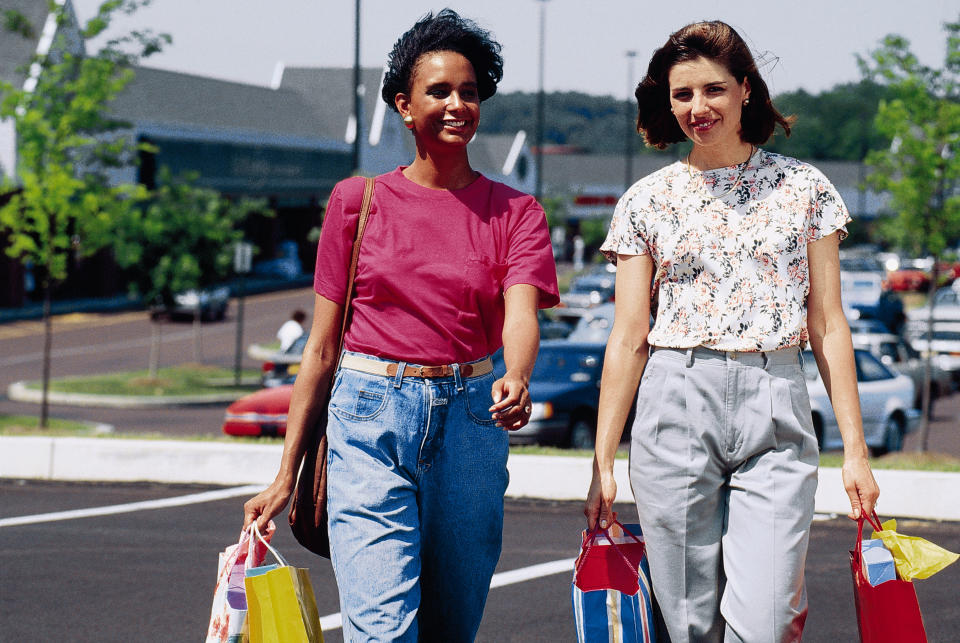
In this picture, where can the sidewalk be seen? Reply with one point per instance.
(905, 494)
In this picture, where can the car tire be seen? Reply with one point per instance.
(582, 434)
(892, 437)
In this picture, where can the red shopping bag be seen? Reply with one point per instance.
(886, 612)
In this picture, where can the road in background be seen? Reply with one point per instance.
(110, 342)
(149, 575)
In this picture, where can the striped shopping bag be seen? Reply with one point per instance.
(611, 587)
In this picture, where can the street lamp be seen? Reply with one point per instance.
(540, 104)
(631, 124)
(356, 87)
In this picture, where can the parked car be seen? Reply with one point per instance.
(552, 327)
(591, 288)
(864, 298)
(283, 366)
(945, 342)
(898, 354)
(565, 393)
(906, 280)
(886, 403)
(213, 303)
(594, 325)
(263, 413)
(946, 306)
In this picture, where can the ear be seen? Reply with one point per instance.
(402, 102)
(746, 87)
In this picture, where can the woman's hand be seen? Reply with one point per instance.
(600, 497)
(511, 402)
(267, 504)
(861, 487)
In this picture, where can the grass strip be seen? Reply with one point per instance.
(182, 380)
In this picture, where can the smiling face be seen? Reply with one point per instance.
(707, 100)
(443, 100)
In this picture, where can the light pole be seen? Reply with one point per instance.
(631, 124)
(356, 87)
(540, 103)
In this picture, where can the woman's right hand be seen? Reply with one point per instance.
(267, 504)
(600, 498)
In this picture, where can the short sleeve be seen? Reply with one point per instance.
(530, 256)
(828, 213)
(336, 239)
(628, 228)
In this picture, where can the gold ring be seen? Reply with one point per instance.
(526, 409)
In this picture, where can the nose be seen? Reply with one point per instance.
(699, 104)
(454, 101)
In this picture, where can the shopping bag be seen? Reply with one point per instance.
(888, 611)
(914, 557)
(611, 587)
(281, 607)
(229, 597)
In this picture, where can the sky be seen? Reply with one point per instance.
(809, 44)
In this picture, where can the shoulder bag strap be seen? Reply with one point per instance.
(361, 226)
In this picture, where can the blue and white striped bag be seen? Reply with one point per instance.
(611, 588)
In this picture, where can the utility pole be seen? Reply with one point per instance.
(540, 103)
(356, 88)
(631, 124)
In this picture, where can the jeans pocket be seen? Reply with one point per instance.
(358, 397)
(477, 399)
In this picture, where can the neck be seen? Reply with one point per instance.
(710, 158)
(441, 171)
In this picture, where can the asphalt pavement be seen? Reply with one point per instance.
(147, 573)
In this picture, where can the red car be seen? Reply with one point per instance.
(263, 413)
(907, 279)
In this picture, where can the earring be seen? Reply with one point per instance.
(746, 101)
(671, 110)
(408, 121)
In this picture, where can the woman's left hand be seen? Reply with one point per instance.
(861, 487)
(512, 407)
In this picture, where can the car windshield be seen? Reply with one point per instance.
(560, 363)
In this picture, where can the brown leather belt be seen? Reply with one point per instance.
(377, 367)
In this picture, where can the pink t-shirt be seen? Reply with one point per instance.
(433, 266)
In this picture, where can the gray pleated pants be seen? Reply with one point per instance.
(723, 465)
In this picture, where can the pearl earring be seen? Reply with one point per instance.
(408, 121)
(746, 101)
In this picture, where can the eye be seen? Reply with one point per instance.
(438, 93)
(715, 90)
(682, 95)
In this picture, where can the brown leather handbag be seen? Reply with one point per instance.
(308, 511)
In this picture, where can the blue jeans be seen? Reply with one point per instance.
(416, 477)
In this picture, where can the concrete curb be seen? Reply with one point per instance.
(19, 392)
(904, 494)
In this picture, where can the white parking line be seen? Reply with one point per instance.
(335, 621)
(176, 501)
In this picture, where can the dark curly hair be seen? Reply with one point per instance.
(446, 31)
(716, 41)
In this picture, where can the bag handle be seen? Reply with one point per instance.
(365, 205)
(256, 531)
(874, 522)
(591, 539)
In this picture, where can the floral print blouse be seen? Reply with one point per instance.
(730, 267)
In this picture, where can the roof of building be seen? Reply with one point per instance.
(176, 99)
(329, 90)
(17, 49)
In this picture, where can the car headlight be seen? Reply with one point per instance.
(541, 411)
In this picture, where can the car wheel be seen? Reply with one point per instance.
(581, 434)
(893, 437)
(818, 430)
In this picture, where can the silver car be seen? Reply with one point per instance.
(886, 403)
(898, 354)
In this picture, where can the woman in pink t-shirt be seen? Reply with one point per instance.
(452, 267)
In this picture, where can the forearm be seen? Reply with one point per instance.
(521, 341)
(833, 349)
(623, 365)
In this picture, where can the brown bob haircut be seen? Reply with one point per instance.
(715, 41)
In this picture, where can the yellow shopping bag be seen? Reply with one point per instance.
(914, 557)
(281, 607)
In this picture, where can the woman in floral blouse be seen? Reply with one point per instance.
(734, 250)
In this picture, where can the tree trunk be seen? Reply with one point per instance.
(47, 346)
(155, 331)
(197, 335)
(927, 365)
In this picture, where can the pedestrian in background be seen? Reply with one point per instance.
(291, 329)
(452, 266)
(735, 251)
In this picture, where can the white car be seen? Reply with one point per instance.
(945, 343)
(886, 403)
(898, 354)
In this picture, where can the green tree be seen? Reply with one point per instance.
(66, 140)
(182, 239)
(921, 168)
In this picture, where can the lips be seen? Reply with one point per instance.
(703, 126)
(455, 124)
